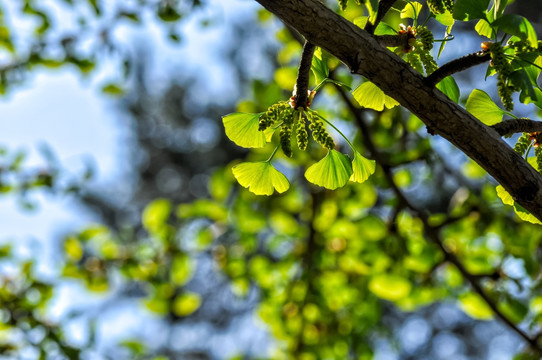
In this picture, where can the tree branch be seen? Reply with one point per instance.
(512, 126)
(457, 65)
(303, 73)
(364, 56)
(433, 233)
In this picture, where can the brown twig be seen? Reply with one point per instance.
(302, 83)
(512, 126)
(457, 65)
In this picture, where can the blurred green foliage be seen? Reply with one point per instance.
(326, 265)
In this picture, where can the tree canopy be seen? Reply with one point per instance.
(347, 200)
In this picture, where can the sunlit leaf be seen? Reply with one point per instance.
(390, 287)
(504, 196)
(332, 172)
(513, 309)
(524, 215)
(370, 96)
(474, 306)
(362, 168)
(483, 28)
(482, 107)
(319, 66)
(186, 304)
(449, 87)
(156, 214)
(260, 178)
(242, 129)
(361, 21)
(446, 19)
(411, 10)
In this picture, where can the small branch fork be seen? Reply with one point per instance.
(432, 232)
(457, 65)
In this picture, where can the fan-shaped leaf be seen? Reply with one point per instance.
(332, 172)
(362, 168)
(242, 129)
(370, 96)
(260, 178)
(482, 107)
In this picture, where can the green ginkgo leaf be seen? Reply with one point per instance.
(504, 196)
(474, 306)
(260, 178)
(370, 96)
(390, 287)
(332, 172)
(411, 10)
(483, 108)
(242, 129)
(362, 168)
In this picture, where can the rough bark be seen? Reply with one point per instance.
(358, 50)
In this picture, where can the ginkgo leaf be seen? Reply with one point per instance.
(449, 87)
(260, 178)
(411, 10)
(524, 215)
(504, 196)
(319, 66)
(362, 168)
(370, 96)
(242, 129)
(482, 107)
(390, 287)
(474, 306)
(332, 172)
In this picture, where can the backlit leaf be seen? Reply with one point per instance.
(242, 129)
(362, 168)
(411, 10)
(450, 88)
(260, 178)
(319, 66)
(482, 107)
(504, 196)
(186, 304)
(370, 96)
(474, 306)
(390, 287)
(470, 9)
(332, 172)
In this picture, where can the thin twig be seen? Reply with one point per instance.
(457, 65)
(512, 126)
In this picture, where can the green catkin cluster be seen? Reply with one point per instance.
(503, 69)
(301, 132)
(449, 5)
(319, 132)
(414, 60)
(436, 6)
(276, 112)
(285, 139)
(538, 154)
(522, 144)
(342, 4)
(428, 62)
(426, 37)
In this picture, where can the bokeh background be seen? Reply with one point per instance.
(123, 234)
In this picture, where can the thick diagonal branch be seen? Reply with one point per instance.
(363, 55)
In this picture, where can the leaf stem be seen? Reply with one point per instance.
(336, 129)
(272, 154)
